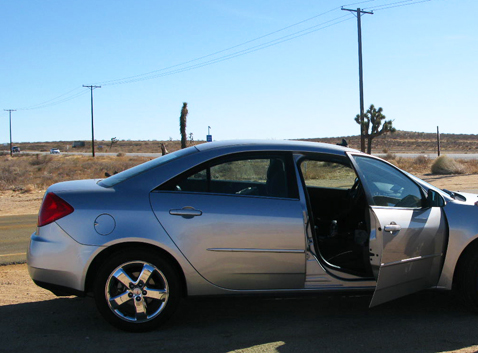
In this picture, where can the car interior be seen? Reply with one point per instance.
(339, 215)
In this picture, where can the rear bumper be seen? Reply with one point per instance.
(57, 262)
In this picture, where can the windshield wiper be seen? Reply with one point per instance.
(455, 195)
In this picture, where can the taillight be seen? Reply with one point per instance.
(52, 209)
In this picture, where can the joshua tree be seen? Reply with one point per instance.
(182, 124)
(113, 141)
(164, 151)
(374, 125)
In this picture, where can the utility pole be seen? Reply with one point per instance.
(438, 141)
(10, 115)
(92, 122)
(359, 28)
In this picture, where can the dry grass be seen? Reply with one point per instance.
(26, 173)
(441, 165)
(122, 146)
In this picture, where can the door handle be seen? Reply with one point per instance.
(187, 212)
(392, 227)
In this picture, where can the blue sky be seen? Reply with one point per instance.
(419, 59)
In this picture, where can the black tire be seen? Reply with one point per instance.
(467, 280)
(134, 302)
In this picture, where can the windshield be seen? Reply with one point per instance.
(129, 173)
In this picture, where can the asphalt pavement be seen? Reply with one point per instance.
(15, 232)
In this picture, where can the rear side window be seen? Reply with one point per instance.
(139, 169)
(257, 175)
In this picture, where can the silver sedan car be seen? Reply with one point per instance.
(248, 217)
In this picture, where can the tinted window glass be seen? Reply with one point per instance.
(387, 185)
(129, 173)
(327, 175)
(257, 176)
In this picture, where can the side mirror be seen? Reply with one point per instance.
(434, 199)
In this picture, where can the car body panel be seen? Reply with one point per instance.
(237, 242)
(463, 227)
(54, 257)
(409, 259)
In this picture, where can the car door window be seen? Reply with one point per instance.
(327, 175)
(387, 185)
(240, 175)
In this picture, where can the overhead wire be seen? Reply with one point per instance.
(182, 67)
(255, 48)
(54, 100)
(397, 4)
(66, 99)
(220, 51)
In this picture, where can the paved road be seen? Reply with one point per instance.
(403, 155)
(15, 234)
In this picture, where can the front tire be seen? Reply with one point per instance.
(467, 281)
(136, 290)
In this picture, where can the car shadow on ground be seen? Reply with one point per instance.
(423, 322)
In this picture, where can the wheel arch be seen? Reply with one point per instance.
(107, 252)
(471, 248)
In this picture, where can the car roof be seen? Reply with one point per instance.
(283, 145)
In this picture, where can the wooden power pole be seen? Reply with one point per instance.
(92, 122)
(359, 12)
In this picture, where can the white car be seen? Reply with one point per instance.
(54, 151)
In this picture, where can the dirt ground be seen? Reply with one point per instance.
(16, 203)
(35, 319)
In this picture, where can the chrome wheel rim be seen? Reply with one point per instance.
(137, 291)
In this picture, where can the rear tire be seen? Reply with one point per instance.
(136, 290)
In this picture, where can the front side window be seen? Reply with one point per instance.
(387, 185)
(268, 176)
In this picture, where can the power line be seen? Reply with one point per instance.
(397, 4)
(182, 67)
(49, 101)
(53, 102)
(158, 73)
(112, 82)
(167, 70)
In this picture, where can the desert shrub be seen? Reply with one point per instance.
(40, 160)
(472, 166)
(447, 165)
(390, 156)
(421, 161)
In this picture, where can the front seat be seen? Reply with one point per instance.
(276, 184)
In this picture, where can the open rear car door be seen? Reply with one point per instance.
(408, 231)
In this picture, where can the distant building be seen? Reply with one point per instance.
(78, 144)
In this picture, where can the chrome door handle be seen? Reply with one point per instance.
(392, 227)
(186, 212)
